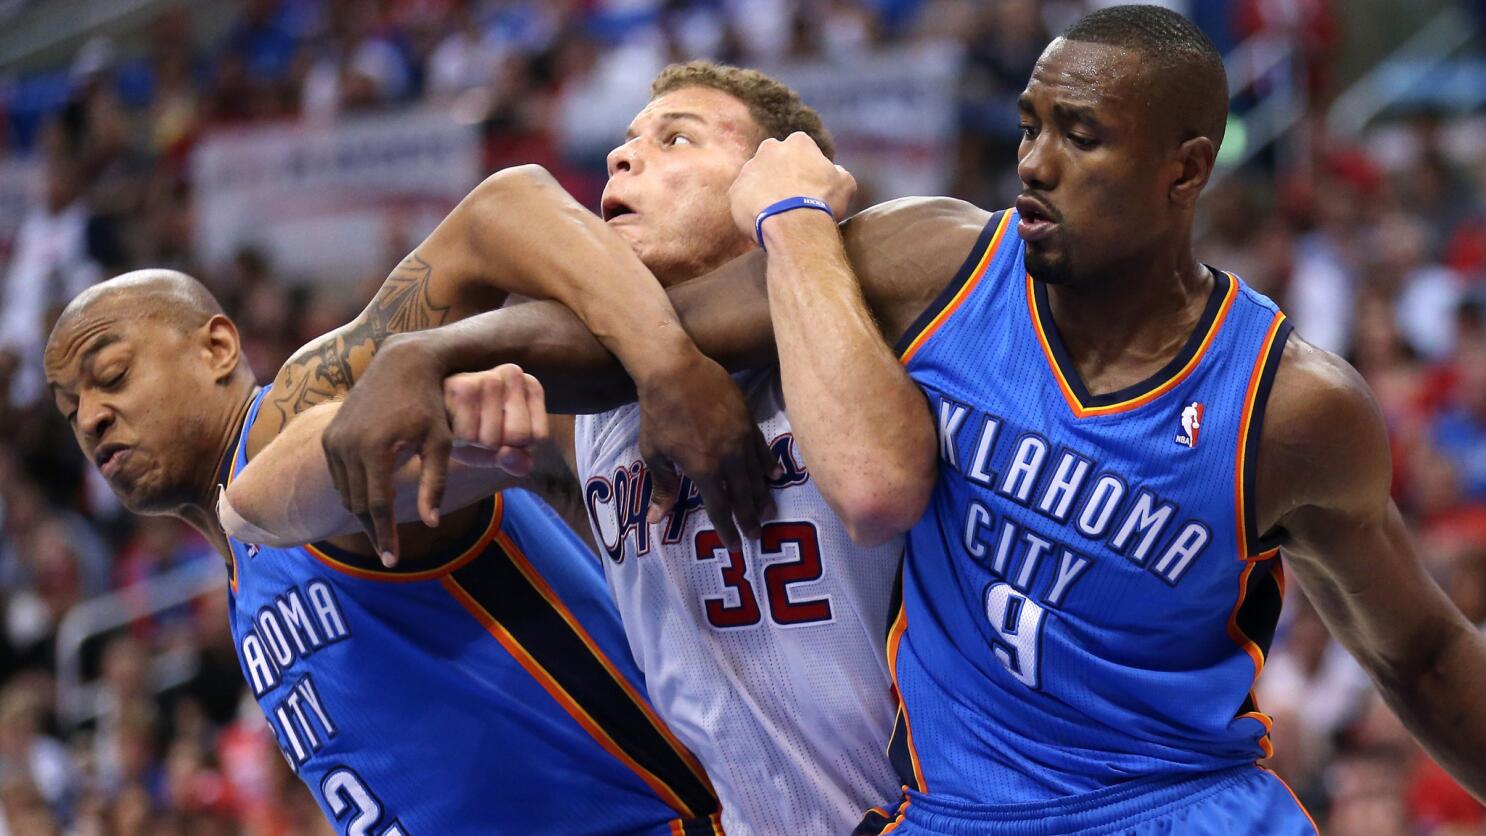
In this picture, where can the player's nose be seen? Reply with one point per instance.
(94, 419)
(624, 158)
(1036, 166)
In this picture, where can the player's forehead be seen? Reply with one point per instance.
(701, 108)
(80, 339)
(1099, 78)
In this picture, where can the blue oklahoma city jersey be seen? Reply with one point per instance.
(490, 692)
(1086, 603)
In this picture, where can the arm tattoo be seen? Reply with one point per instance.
(326, 368)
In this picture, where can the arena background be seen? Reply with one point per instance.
(289, 152)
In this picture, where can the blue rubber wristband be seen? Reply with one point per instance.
(786, 205)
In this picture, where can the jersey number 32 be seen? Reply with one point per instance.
(738, 606)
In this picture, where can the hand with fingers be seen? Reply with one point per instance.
(496, 417)
(396, 410)
(781, 169)
(693, 420)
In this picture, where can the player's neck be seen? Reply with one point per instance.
(201, 512)
(1141, 314)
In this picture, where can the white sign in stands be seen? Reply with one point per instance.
(332, 202)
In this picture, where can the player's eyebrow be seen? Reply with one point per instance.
(1062, 110)
(673, 116)
(1076, 113)
(98, 345)
(86, 358)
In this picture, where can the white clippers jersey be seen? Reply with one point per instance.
(771, 669)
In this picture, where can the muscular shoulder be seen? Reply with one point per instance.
(1324, 444)
(905, 251)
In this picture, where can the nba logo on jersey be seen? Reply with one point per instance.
(1191, 423)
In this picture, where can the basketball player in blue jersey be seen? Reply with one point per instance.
(390, 690)
(1126, 442)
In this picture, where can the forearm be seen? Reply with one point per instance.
(532, 238)
(1358, 568)
(1439, 702)
(861, 422)
(725, 312)
(285, 496)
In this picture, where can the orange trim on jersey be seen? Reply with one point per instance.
(1256, 654)
(232, 475)
(1081, 411)
(714, 823)
(895, 637)
(960, 297)
(1250, 397)
(523, 565)
(902, 809)
(492, 528)
(560, 694)
(1262, 768)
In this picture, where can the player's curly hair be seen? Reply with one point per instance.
(776, 108)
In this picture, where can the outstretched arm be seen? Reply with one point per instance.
(519, 232)
(501, 431)
(1324, 477)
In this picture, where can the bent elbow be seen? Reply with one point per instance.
(236, 512)
(876, 516)
(519, 179)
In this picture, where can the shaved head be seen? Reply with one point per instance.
(1182, 70)
(149, 373)
(164, 295)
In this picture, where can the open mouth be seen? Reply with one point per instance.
(613, 208)
(1034, 221)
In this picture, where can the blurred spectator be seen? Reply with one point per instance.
(467, 58)
(1005, 40)
(28, 756)
(356, 67)
(1460, 429)
(51, 263)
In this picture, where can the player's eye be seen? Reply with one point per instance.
(113, 377)
(1028, 132)
(1082, 142)
(678, 139)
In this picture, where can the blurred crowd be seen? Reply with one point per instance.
(1376, 247)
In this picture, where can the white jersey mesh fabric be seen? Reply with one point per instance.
(786, 699)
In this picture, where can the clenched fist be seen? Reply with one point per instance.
(794, 167)
(496, 417)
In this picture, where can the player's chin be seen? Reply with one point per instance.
(139, 496)
(1047, 264)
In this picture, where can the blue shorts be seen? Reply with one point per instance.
(1244, 799)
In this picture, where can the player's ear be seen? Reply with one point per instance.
(222, 345)
(1195, 159)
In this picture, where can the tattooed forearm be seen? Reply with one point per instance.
(326, 368)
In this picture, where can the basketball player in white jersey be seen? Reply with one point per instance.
(767, 661)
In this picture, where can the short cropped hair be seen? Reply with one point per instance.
(776, 108)
(1177, 56)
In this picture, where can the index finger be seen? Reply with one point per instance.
(433, 475)
(743, 487)
(719, 511)
(381, 505)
